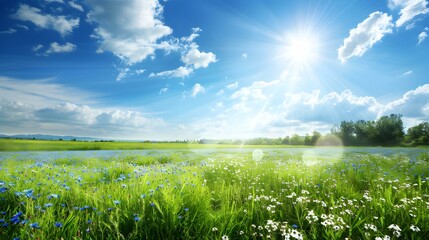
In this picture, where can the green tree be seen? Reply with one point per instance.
(389, 130)
(419, 135)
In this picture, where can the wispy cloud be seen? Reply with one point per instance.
(407, 73)
(197, 89)
(179, 72)
(422, 36)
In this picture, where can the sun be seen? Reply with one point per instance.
(301, 49)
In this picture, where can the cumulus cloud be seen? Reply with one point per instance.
(179, 72)
(409, 9)
(58, 48)
(197, 89)
(365, 35)
(37, 47)
(198, 59)
(29, 105)
(422, 36)
(413, 104)
(130, 29)
(61, 24)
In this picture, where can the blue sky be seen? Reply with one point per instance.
(182, 69)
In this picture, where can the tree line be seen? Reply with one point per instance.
(385, 131)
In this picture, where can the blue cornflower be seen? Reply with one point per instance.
(35, 225)
(3, 189)
(116, 202)
(294, 226)
(186, 209)
(5, 224)
(48, 205)
(89, 221)
(136, 218)
(15, 218)
(58, 224)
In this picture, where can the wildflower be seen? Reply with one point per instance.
(35, 225)
(48, 205)
(294, 226)
(414, 228)
(3, 189)
(89, 221)
(214, 229)
(58, 224)
(116, 202)
(225, 237)
(136, 218)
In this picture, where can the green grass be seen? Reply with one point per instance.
(49, 145)
(186, 195)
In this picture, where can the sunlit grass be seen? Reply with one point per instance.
(210, 196)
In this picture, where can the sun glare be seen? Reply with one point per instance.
(301, 49)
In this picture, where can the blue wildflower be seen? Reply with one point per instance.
(89, 221)
(35, 225)
(136, 218)
(295, 226)
(116, 202)
(48, 205)
(58, 224)
(3, 189)
(15, 218)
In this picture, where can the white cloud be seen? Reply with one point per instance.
(220, 92)
(128, 29)
(37, 47)
(42, 92)
(60, 24)
(409, 9)
(31, 106)
(407, 73)
(365, 35)
(140, 71)
(244, 55)
(22, 26)
(232, 86)
(122, 73)
(52, 1)
(198, 59)
(9, 31)
(58, 48)
(193, 35)
(254, 91)
(413, 104)
(76, 6)
(197, 89)
(180, 72)
(163, 90)
(422, 36)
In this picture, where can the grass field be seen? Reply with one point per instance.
(216, 196)
(49, 145)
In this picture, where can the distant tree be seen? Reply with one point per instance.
(286, 140)
(418, 135)
(307, 140)
(347, 132)
(389, 130)
(296, 140)
(364, 131)
(316, 136)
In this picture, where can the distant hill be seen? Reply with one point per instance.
(48, 137)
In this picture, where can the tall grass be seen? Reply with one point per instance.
(210, 196)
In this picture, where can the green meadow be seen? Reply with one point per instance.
(218, 195)
(49, 145)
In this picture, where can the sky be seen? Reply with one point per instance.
(184, 69)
